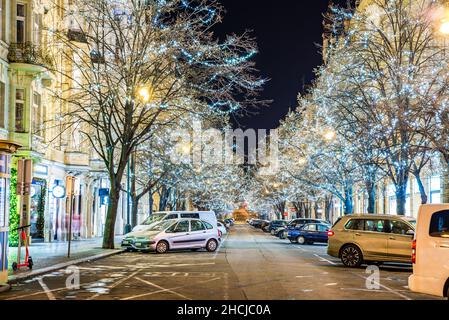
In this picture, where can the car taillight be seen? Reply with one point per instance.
(330, 233)
(414, 252)
(219, 233)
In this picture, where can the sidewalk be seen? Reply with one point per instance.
(51, 256)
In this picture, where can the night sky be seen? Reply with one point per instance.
(287, 32)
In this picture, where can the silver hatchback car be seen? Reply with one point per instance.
(179, 234)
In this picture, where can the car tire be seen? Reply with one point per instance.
(162, 247)
(351, 256)
(212, 245)
(301, 240)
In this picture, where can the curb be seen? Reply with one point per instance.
(27, 275)
(4, 288)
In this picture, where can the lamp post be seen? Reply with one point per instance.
(7, 148)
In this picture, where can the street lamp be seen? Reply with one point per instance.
(330, 135)
(145, 94)
(444, 27)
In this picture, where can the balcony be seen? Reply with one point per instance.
(29, 53)
(76, 36)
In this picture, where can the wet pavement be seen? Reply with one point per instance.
(249, 265)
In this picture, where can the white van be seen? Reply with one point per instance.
(208, 216)
(431, 251)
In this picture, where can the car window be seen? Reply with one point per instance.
(374, 225)
(208, 225)
(196, 225)
(310, 227)
(171, 217)
(190, 215)
(355, 224)
(439, 225)
(397, 227)
(181, 227)
(323, 228)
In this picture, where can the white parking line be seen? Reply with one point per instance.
(382, 286)
(162, 288)
(322, 259)
(219, 247)
(47, 291)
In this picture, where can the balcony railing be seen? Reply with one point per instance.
(28, 53)
(76, 36)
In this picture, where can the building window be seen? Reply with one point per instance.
(38, 121)
(37, 29)
(20, 23)
(20, 110)
(2, 105)
(435, 190)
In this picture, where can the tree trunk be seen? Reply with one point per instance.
(445, 179)
(111, 217)
(422, 190)
(371, 190)
(329, 204)
(349, 201)
(317, 210)
(401, 198)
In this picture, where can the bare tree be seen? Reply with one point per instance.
(130, 67)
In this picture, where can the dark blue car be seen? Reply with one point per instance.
(309, 233)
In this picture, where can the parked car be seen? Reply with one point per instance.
(264, 225)
(156, 217)
(276, 224)
(430, 255)
(256, 223)
(309, 233)
(356, 239)
(223, 229)
(168, 235)
(298, 223)
(231, 222)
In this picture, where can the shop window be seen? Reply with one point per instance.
(2, 105)
(20, 110)
(20, 23)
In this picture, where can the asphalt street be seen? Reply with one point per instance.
(249, 265)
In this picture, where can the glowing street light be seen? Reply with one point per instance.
(330, 135)
(444, 27)
(145, 94)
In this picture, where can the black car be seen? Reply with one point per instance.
(274, 225)
(257, 223)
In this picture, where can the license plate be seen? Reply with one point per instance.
(125, 242)
(138, 244)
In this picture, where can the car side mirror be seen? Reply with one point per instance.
(410, 233)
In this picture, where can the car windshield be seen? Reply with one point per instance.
(153, 219)
(161, 226)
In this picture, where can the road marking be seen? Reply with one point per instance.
(162, 288)
(115, 284)
(322, 259)
(301, 277)
(385, 287)
(47, 291)
(165, 290)
(331, 284)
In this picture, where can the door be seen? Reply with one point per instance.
(179, 235)
(434, 249)
(198, 234)
(322, 233)
(372, 240)
(311, 232)
(399, 242)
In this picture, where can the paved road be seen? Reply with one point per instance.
(249, 265)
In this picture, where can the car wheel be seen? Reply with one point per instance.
(301, 240)
(212, 245)
(351, 256)
(162, 247)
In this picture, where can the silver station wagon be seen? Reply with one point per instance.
(179, 234)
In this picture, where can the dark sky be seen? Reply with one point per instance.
(287, 33)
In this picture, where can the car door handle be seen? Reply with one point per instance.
(445, 246)
(392, 238)
(358, 235)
